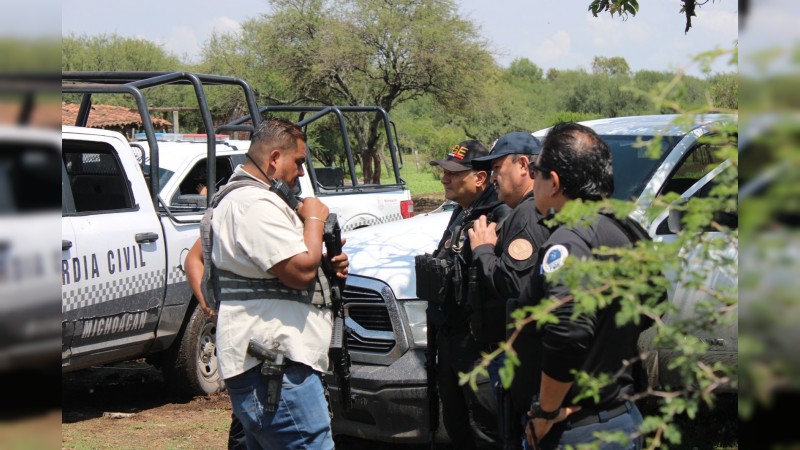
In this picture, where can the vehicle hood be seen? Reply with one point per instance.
(387, 251)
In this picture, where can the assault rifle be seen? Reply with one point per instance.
(338, 350)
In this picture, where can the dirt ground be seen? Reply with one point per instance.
(128, 406)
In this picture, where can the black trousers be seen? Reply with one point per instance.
(469, 417)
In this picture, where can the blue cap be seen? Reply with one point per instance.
(514, 143)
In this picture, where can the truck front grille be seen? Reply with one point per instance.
(369, 321)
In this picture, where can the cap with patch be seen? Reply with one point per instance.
(459, 157)
(514, 143)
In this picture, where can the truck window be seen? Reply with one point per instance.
(95, 177)
(197, 175)
(694, 166)
(28, 178)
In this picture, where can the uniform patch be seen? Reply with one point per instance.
(554, 258)
(520, 249)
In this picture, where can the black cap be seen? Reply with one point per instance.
(459, 157)
(514, 143)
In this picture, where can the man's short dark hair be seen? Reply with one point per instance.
(275, 133)
(581, 159)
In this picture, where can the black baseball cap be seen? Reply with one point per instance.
(514, 143)
(460, 155)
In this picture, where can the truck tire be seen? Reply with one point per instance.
(191, 367)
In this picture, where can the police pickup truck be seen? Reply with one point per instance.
(388, 320)
(131, 211)
(124, 293)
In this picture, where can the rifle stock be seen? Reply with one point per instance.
(338, 350)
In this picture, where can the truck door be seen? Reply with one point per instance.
(113, 276)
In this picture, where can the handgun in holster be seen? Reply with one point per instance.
(272, 368)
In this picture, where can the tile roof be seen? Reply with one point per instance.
(43, 114)
(108, 116)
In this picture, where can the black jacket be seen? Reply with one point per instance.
(505, 268)
(455, 245)
(591, 343)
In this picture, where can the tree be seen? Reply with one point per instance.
(524, 68)
(368, 52)
(725, 91)
(624, 8)
(615, 66)
(112, 52)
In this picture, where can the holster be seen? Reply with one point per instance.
(433, 277)
(272, 368)
(273, 375)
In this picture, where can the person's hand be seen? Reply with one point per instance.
(312, 207)
(341, 263)
(208, 311)
(482, 233)
(201, 189)
(537, 429)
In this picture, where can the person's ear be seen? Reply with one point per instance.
(524, 163)
(274, 156)
(481, 178)
(556, 182)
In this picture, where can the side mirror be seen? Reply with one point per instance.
(190, 201)
(675, 221)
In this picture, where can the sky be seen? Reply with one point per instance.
(553, 34)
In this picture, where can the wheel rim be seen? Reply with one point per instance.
(207, 363)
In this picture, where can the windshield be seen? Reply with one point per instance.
(633, 167)
(163, 175)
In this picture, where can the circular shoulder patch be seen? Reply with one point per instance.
(520, 249)
(554, 258)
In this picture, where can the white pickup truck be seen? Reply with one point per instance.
(124, 292)
(183, 166)
(131, 213)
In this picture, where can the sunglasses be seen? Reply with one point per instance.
(541, 169)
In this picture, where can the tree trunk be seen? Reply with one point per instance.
(366, 166)
(376, 174)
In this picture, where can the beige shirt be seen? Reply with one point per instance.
(253, 230)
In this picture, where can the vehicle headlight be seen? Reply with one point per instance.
(417, 320)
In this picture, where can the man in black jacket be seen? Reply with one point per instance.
(505, 254)
(575, 164)
(463, 410)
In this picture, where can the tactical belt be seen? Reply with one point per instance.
(235, 287)
(588, 417)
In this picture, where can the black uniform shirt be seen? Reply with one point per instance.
(595, 343)
(506, 267)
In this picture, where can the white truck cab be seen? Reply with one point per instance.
(183, 168)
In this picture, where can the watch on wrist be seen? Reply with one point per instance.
(538, 413)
